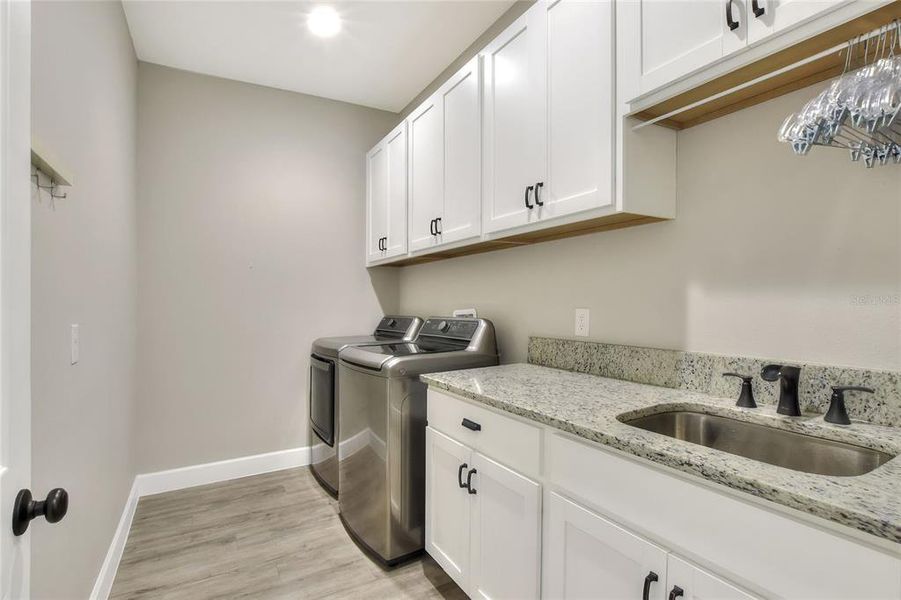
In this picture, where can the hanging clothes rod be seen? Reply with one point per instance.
(823, 54)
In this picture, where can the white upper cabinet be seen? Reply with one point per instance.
(515, 81)
(580, 109)
(445, 167)
(425, 126)
(766, 17)
(549, 92)
(676, 38)
(462, 217)
(376, 201)
(386, 197)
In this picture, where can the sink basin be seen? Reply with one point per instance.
(766, 444)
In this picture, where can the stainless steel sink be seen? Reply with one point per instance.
(766, 444)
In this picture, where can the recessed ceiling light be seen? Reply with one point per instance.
(324, 21)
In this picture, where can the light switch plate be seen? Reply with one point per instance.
(74, 344)
(582, 322)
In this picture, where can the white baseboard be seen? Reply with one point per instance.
(147, 484)
(104, 582)
(223, 470)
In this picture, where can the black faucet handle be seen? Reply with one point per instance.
(837, 412)
(775, 372)
(746, 398)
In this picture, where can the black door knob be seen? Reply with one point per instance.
(53, 508)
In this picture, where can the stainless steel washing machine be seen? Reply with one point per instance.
(382, 417)
(325, 397)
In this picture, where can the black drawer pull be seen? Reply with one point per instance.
(651, 578)
(469, 481)
(471, 425)
(460, 475)
(676, 592)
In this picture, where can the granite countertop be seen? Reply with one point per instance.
(588, 406)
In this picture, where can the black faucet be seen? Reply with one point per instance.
(788, 387)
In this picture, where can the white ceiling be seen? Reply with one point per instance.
(386, 53)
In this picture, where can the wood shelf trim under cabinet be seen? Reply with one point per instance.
(794, 79)
(604, 223)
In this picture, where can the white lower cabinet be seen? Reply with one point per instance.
(689, 582)
(447, 505)
(482, 521)
(587, 556)
(613, 527)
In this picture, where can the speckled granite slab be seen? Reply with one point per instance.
(588, 406)
(697, 372)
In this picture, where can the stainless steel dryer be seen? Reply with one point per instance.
(324, 397)
(382, 414)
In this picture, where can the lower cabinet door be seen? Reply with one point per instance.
(506, 524)
(697, 584)
(447, 505)
(587, 556)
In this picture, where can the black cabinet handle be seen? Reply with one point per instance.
(676, 592)
(538, 187)
(471, 425)
(432, 227)
(460, 475)
(529, 189)
(732, 23)
(758, 8)
(651, 578)
(469, 481)
(437, 223)
(53, 508)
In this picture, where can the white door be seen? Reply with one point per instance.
(506, 521)
(425, 128)
(770, 16)
(447, 505)
(15, 303)
(680, 37)
(462, 156)
(587, 556)
(396, 149)
(515, 145)
(698, 584)
(376, 201)
(580, 107)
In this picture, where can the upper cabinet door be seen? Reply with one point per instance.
(462, 156)
(506, 523)
(447, 505)
(515, 120)
(376, 201)
(677, 38)
(697, 584)
(766, 17)
(396, 155)
(587, 556)
(425, 128)
(580, 107)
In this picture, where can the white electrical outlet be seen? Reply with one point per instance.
(74, 344)
(582, 322)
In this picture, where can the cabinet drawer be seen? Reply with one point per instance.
(758, 548)
(504, 439)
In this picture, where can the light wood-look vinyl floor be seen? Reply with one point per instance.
(269, 536)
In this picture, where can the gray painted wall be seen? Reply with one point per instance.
(251, 245)
(770, 255)
(84, 75)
